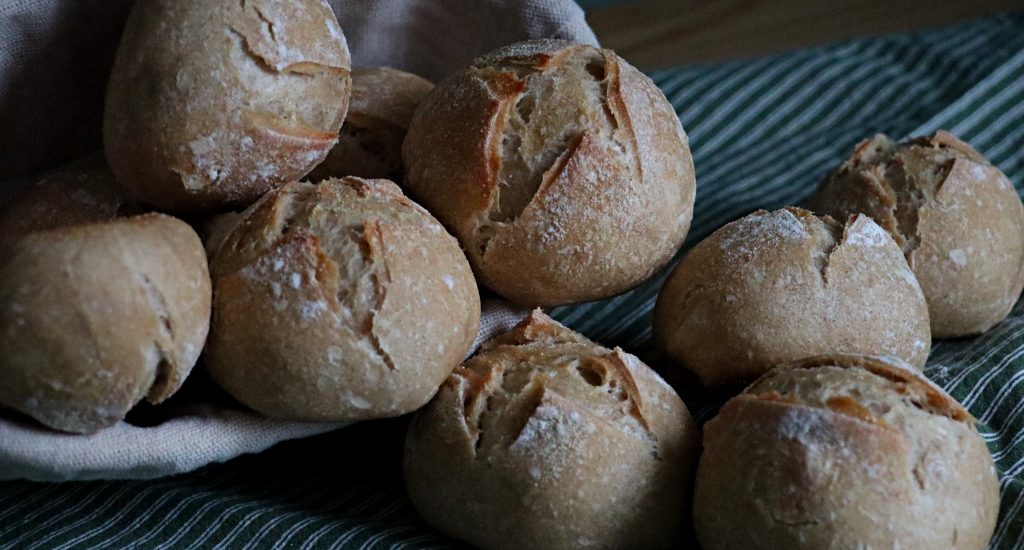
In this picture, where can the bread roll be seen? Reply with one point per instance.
(775, 287)
(957, 217)
(96, 317)
(340, 301)
(370, 142)
(67, 198)
(844, 452)
(545, 439)
(562, 169)
(212, 103)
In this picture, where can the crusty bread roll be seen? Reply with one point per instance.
(562, 169)
(67, 198)
(370, 142)
(340, 301)
(958, 218)
(844, 452)
(545, 439)
(775, 287)
(211, 103)
(95, 317)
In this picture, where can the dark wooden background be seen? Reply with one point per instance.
(660, 33)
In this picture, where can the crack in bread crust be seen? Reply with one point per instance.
(526, 156)
(904, 176)
(539, 360)
(915, 390)
(372, 246)
(166, 365)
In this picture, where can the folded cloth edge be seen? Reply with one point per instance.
(196, 434)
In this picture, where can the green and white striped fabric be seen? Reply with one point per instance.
(763, 133)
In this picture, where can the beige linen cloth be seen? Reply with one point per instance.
(55, 56)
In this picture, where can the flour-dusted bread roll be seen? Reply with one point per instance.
(95, 317)
(562, 169)
(545, 439)
(340, 301)
(213, 102)
(67, 198)
(844, 452)
(958, 218)
(370, 142)
(775, 287)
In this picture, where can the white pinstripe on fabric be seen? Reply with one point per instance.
(287, 535)
(282, 516)
(99, 511)
(43, 527)
(182, 505)
(324, 530)
(244, 503)
(14, 504)
(352, 533)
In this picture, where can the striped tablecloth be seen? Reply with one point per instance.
(763, 134)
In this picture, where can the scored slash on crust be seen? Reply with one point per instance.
(516, 185)
(332, 248)
(227, 101)
(949, 210)
(916, 390)
(291, 245)
(487, 389)
(372, 247)
(263, 40)
(897, 192)
(165, 381)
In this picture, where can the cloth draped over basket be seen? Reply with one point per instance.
(55, 57)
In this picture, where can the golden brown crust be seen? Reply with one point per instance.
(561, 168)
(370, 142)
(67, 198)
(547, 440)
(958, 218)
(777, 286)
(95, 317)
(339, 301)
(211, 104)
(910, 387)
(841, 451)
